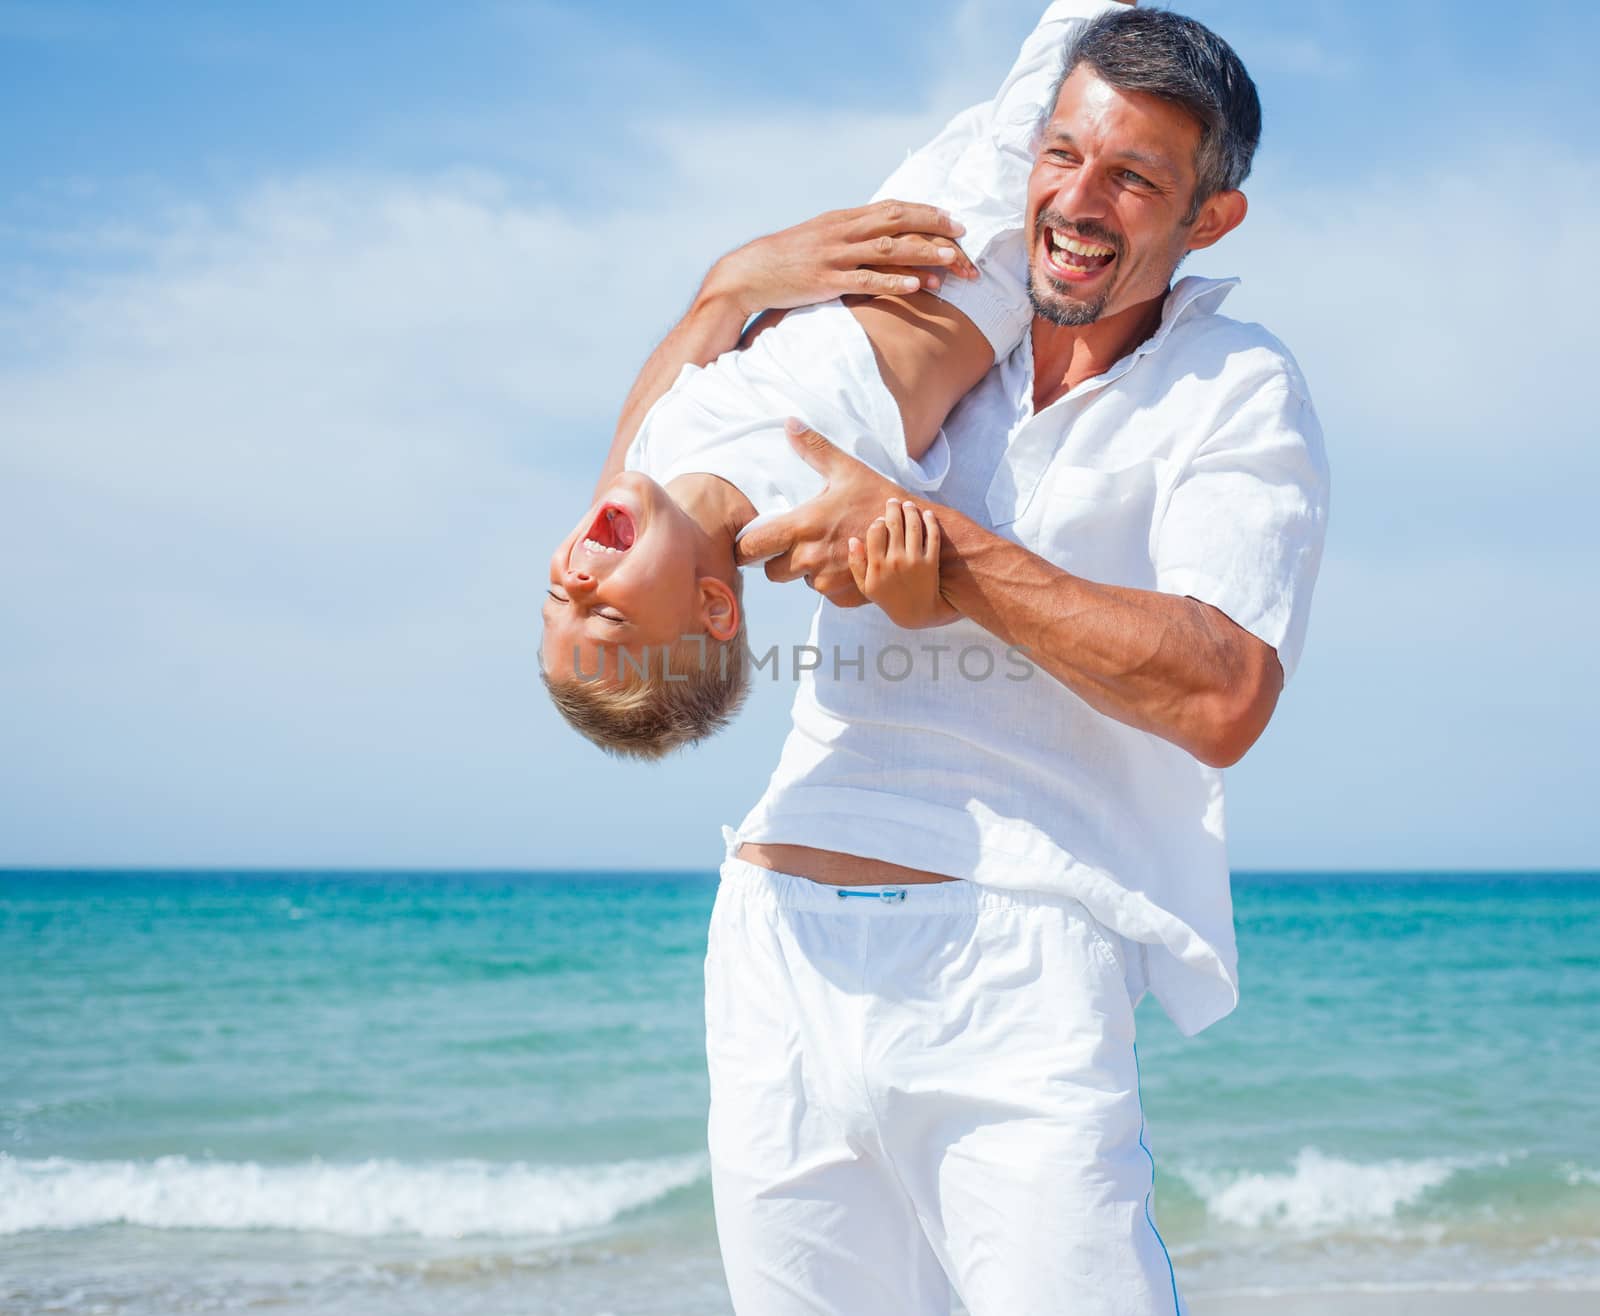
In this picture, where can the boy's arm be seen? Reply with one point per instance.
(929, 356)
(929, 353)
(978, 167)
(932, 349)
(883, 248)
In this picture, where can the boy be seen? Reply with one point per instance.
(644, 628)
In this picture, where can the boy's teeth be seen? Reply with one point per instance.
(596, 546)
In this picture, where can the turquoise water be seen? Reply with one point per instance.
(328, 1092)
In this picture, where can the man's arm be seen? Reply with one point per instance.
(709, 328)
(1163, 663)
(888, 247)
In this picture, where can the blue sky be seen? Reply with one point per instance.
(314, 321)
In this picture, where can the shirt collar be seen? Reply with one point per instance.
(1192, 295)
(1189, 297)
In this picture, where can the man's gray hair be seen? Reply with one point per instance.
(1179, 60)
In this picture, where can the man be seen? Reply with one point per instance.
(933, 926)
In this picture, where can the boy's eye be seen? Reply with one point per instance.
(606, 614)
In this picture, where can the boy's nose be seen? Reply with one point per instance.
(579, 581)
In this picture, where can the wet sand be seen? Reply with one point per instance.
(1528, 1302)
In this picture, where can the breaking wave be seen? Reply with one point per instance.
(366, 1199)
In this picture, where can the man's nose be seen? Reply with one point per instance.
(1082, 195)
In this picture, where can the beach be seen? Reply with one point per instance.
(485, 1093)
(1466, 1302)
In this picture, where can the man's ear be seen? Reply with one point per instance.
(719, 608)
(1220, 214)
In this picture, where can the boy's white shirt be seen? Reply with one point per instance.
(1192, 466)
(727, 418)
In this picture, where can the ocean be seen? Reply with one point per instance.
(485, 1094)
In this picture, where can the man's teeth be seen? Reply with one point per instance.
(595, 546)
(1078, 247)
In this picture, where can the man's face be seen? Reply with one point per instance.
(1107, 198)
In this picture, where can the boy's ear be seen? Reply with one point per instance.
(719, 608)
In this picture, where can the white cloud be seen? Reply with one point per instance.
(1291, 54)
(1445, 335)
(275, 498)
(1442, 717)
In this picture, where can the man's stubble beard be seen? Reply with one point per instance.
(1061, 310)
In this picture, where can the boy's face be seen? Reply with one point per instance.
(626, 577)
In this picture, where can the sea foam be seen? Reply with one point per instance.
(367, 1199)
(1319, 1192)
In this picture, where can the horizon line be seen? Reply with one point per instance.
(7, 869)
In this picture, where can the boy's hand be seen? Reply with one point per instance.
(898, 566)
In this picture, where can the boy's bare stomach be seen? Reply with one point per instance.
(832, 867)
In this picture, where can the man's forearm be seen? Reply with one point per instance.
(710, 327)
(1167, 664)
(888, 247)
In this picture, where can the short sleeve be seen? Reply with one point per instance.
(644, 453)
(726, 419)
(1244, 527)
(927, 473)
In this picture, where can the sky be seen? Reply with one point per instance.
(315, 321)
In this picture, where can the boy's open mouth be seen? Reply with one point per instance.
(612, 531)
(1076, 259)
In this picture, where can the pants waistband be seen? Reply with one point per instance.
(790, 891)
(889, 899)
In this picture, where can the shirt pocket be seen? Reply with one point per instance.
(1097, 523)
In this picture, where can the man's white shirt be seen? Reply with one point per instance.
(1194, 465)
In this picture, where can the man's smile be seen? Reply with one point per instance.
(1074, 259)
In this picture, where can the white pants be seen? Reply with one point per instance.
(919, 1090)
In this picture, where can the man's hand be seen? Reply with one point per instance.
(886, 247)
(897, 567)
(891, 247)
(1163, 663)
(813, 541)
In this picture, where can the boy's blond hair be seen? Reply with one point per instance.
(650, 716)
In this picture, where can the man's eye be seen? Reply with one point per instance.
(1136, 178)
